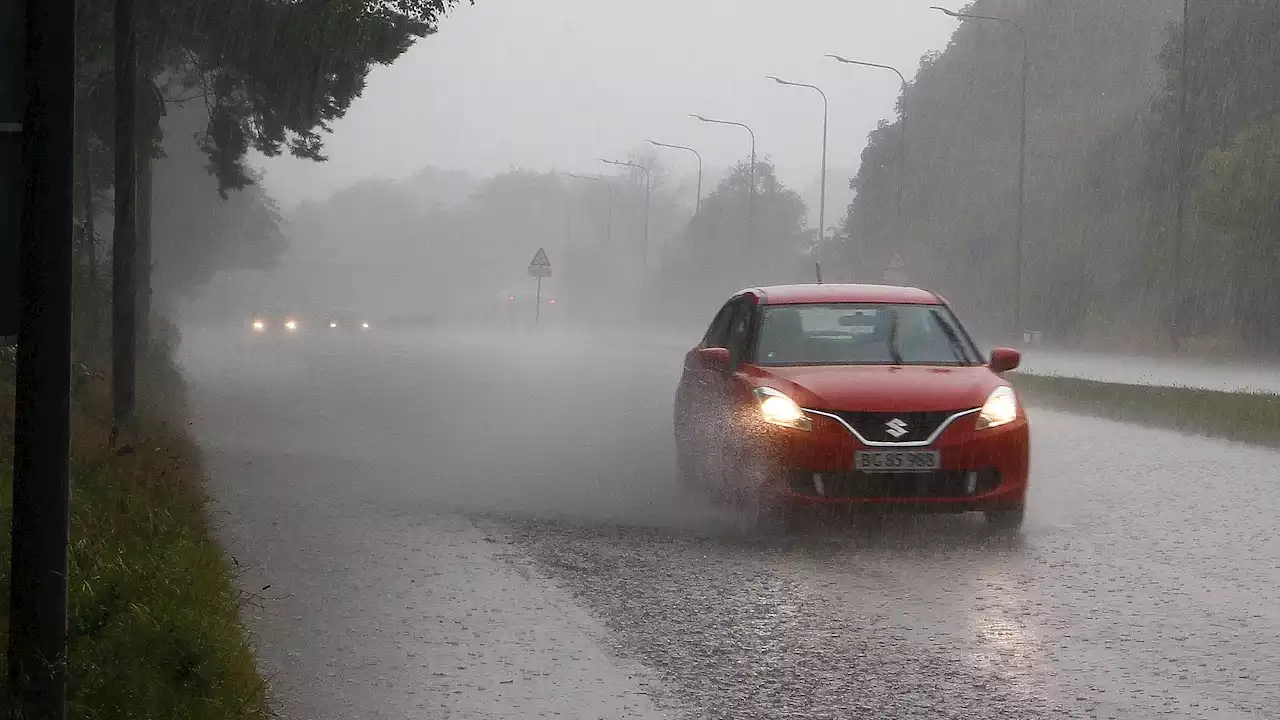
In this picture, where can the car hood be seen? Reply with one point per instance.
(880, 388)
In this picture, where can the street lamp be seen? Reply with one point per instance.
(822, 196)
(1022, 155)
(648, 183)
(1177, 327)
(751, 195)
(902, 137)
(698, 204)
(608, 228)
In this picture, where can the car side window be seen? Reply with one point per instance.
(739, 328)
(718, 334)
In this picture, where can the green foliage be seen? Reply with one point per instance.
(1245, 417)
(718, 253)
(195, 234)
(1102, 168)
(154, 626)
(1093, 65)
(1242, 183)
(1240, 204)
(272, 75)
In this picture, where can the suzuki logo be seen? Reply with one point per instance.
(896, 427)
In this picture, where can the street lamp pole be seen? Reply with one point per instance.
(1022, 155)
(608, 228)
(902, 139)
(648, 187)
(822, 196)
(751, 195)
(1180, 229)
(697, 207)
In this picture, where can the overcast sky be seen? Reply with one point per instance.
(554, 84)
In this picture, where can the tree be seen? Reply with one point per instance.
(1094, 71)
(272, 75)
(713, 259)
(1239, 199)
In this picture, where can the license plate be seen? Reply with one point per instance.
(893, 461)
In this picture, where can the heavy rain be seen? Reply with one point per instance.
(681, 359)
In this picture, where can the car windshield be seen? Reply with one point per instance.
(862, 334)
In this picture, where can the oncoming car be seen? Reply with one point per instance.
(273, 323)
(851, 395)
(347, 321)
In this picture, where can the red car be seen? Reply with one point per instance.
(851, 395)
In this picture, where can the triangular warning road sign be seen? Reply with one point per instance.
(540, 259)
(896, 263)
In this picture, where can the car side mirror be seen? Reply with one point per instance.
(716, 357)
(1004, 360)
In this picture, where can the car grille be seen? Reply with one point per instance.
(906, 427)
(896, 486)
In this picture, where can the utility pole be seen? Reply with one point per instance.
(143, 199)
(899, 228)
(608, 227)
(1177, 327)
(1022, 160)
(697, 205)
(822, 202)
(37, 652)
(751, 192)
(11, 94)
(150, 110)
(124, 291)
(648, 189)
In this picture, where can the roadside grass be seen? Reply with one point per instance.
(154, 614)
(1246, 417)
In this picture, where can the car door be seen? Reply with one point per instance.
(699, 378)
(730, 388)
(721, 396)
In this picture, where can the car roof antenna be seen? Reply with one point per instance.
(817, 267)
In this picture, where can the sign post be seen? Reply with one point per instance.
(37, 651)
(12, 102)
(896, 273)
(539, 267)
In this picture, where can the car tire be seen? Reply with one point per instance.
(687, 473)
(1006, 519)
(757, 511)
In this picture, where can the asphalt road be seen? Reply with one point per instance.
(488, 526)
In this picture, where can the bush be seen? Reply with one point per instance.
(154, 625)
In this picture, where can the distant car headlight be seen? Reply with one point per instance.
(778, 409)
(1001, 408)
(364, 325)
(333, 324)
(259, 326)
(291, 325)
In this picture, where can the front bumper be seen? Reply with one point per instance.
(980, 470)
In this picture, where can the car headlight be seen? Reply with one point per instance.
(1001, 408)
(364, 325)
(291, 325)
(778, 409)
(259, 326)
(333, 324)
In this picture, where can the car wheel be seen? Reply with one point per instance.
(1006, 518)
(688, 474)
(757, 508)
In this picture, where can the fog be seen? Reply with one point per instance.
(482, 488)
(484, 142)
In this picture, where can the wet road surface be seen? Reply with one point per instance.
(1228, 376)
(489, 527)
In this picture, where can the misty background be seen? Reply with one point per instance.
(453, 168)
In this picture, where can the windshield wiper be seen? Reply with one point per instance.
(957, 347)
(895, 355)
